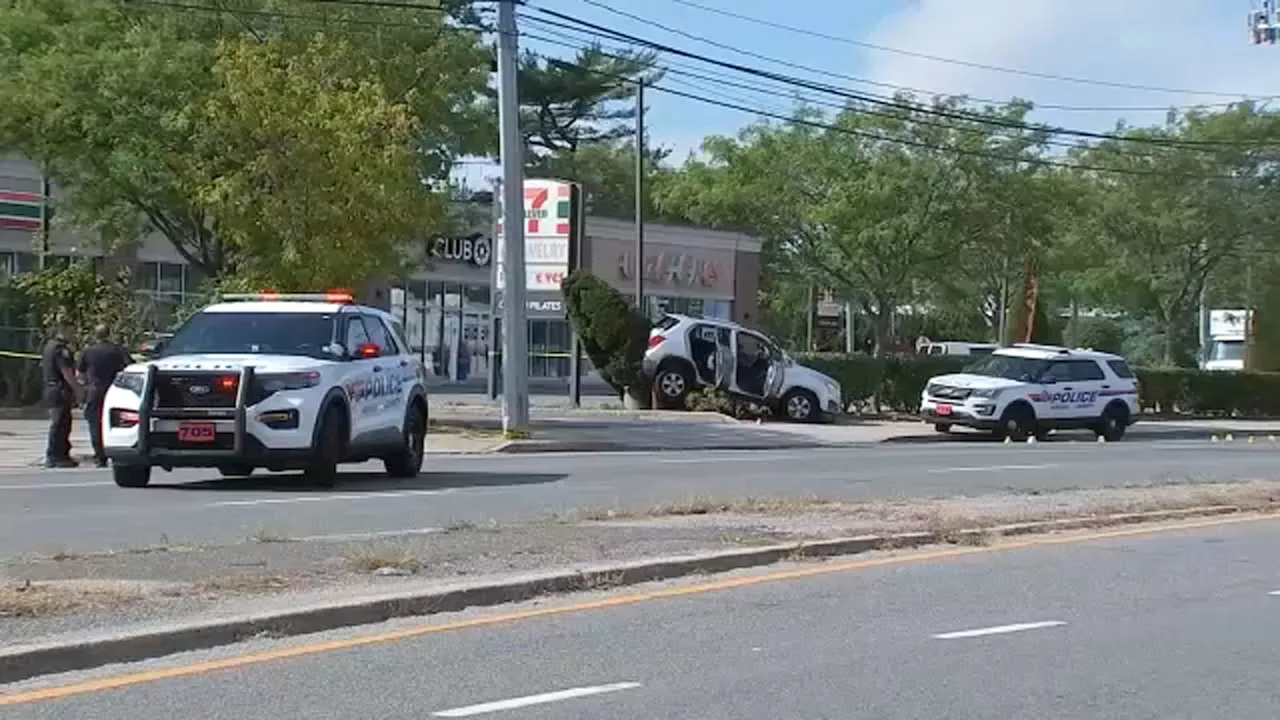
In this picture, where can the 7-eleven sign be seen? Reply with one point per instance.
(543, 213)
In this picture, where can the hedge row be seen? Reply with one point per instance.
(894, 384)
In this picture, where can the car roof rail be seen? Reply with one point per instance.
(336, 296)
(1047, 348)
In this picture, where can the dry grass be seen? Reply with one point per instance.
(270, 535)
(376, 557)
(36, 600)
(244, 584)
(696, 506)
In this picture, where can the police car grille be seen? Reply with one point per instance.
(175, 390)
(948, 393)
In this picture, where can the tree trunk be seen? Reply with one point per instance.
(638, 397)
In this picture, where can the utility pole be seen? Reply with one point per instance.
(515, 336)
(640, 178)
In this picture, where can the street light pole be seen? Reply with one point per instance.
(515, 336)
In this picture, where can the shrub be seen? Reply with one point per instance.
(613, 333)
(894, 383)
(1098, 333)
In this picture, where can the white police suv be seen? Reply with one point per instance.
(1026, 390)
(282, 382)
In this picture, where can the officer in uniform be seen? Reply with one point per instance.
(99, 365)
(59, 395)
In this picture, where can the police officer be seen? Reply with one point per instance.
(59, 395)
(99, 365)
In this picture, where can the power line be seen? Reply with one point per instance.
(743, 108)
(774, 91)
(870, 99)
(967, 63)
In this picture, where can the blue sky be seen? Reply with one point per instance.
(1198, 51)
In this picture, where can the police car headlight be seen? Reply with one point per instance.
(130, 381)
(987, 394)
(272, 383)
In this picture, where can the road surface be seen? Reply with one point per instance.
(81, 510)
(1170, 625)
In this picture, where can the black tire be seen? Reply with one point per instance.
(800, 405)
(1113, 423)
(942, 427)
(407, 463)
(1017, 423)
(331, 448)
(672, 384)
(131, 476)
(235, 471)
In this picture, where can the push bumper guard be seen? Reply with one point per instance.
(161, 448)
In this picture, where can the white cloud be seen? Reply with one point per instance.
(1191, 44)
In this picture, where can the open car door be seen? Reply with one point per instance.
(773, 382)
(726, 360)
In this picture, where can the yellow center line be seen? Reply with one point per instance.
(314, 648)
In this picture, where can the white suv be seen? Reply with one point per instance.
(1026, 390)
(686, 353)
(282, 382)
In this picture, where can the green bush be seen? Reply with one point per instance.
(1098, 333)
(613, 333)
(894, 383)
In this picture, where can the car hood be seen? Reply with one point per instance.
(973, 382)
(232, 363)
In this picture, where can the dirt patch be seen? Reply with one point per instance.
(47, 599)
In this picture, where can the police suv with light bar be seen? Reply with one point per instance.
(282, 382)
(1027, 390)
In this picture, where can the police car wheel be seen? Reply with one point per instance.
(1113, 423)
(331, 445)
(942, 427)
(408, 462)
(1018, 423)
(131, 476)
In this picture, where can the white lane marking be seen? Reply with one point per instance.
(343, 537)
(528, 700)
(990, 468)
(998, 630)
(55, 486)
(1274, 592)
(327, 498)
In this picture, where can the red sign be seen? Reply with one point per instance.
(542, 279)
(944, 409)
(197, 432)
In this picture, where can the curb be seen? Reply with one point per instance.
(23, 662)
(531, 447)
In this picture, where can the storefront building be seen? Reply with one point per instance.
(446, 310)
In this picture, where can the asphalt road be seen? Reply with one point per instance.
(1171, 625)
(81, 510)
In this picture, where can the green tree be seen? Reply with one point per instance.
(307, 164)
(79, 298)
(1177, 214)
(98, 90)
(578, 120)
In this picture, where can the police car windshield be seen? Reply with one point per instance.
(241, 333)
(1010, 367)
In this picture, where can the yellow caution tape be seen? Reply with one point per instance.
(25, 356)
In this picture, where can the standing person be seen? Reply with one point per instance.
(99, 365)
(59, 395)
